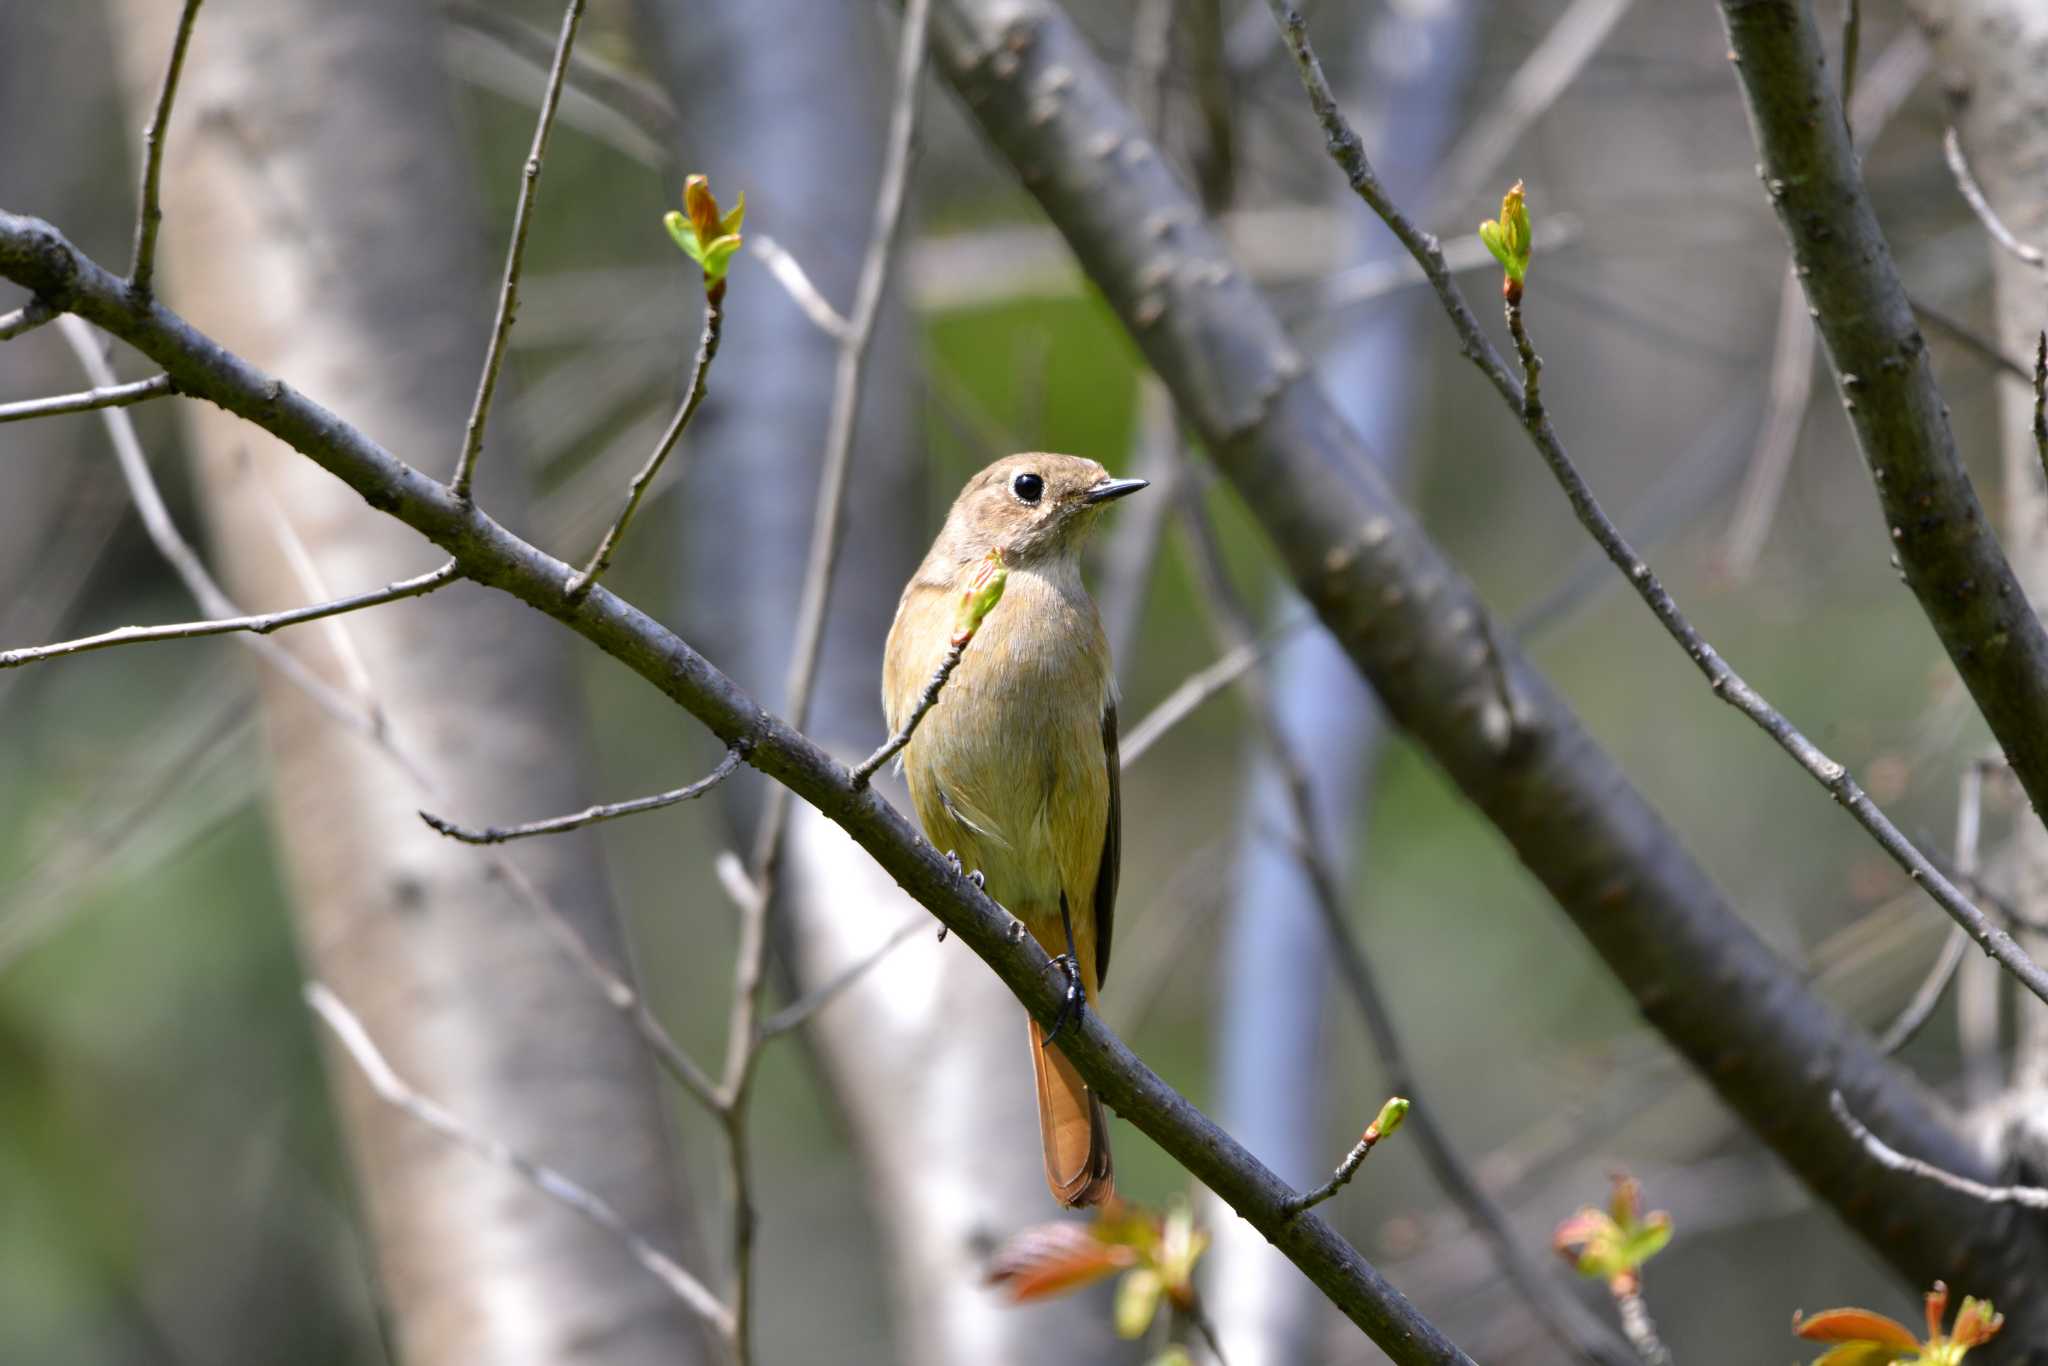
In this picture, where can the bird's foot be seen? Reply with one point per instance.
(1075, 1002)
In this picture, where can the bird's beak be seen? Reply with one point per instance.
(1113, 488)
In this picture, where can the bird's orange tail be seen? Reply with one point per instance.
(1073, 1127)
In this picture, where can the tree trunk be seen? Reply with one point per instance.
(316, 219)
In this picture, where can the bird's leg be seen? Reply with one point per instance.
(1070, 964)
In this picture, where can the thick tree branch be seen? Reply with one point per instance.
(1945, 545)
(36, 255)
(1413, 625)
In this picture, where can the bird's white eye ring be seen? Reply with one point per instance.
(1028, 487)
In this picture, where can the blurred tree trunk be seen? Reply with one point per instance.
(1272, 1059)
(926, 1055)
(1994, 53)
(318, 221)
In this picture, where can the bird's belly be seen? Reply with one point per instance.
(1026, 804)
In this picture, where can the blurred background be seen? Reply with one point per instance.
(174, 1182)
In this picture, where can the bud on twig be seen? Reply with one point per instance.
(980, 597)
(706, 237)
(1509, 239)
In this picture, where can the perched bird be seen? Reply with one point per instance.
(1015, 770)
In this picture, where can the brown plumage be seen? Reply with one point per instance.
(1015, 769)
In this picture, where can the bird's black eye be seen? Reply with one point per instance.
(1028, 487)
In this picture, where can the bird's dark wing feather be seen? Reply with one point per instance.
(1112, 848)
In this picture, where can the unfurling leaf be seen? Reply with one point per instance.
(1865, 1338)
(1390, 1116)
(980, 597)
(1052, 1259)
(1612, 1244)
(1510, 239)
(706, 236)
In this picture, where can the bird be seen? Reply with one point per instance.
(1014, 771)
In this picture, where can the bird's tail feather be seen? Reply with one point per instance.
(1073, 1127)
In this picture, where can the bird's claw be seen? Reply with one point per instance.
(1075, 1002)
(974, 875)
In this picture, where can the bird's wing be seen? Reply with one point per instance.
(1112, 846)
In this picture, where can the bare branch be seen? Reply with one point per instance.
(150, 217)
(590, 815)
(1346, 1169)
(1945, 544)
(27, 318)
(1920, 1009)
(2032, 1197)
(177, 551)
(109, 396)
(1526, 398)
(799, 1012)
(1549, 69)
(707, 347)
(926, 700)
(1203, 684)
(515, 255)
(789, 273)
(394, 1091)
(1959, 167)
(1731, 688)
(1636, 1323)
(1971, 340)
(625, 95)
(262, 624)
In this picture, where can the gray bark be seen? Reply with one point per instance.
(925, 1056)
(313, 215)
(1994, 53)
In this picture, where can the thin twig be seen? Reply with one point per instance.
(1346, 1169)
(1203, 684)
(1731, 688)
(743, 1043)
(1959, 167)
(1756, 506)
(1638, 1327)
(798, 1012)
(2041, 401)
(589, 815)
(790, 274)
(707, 347)
(1726, 684)
(515, 255)
(1545, 74)
(184, 560)
(109, 396)
(396, 1092)
(262, 624)
(150, 217)
(2032, 1197)
(1971, 340)
(27, 318)
(1199, 1317)
(926, 700)
(1920, 1009)
(1568, 1320)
